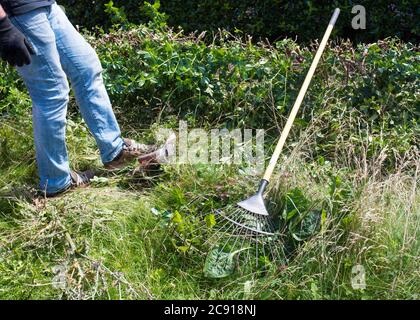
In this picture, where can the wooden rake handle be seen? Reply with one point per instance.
(299, 99)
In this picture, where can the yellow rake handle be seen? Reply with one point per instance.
(299, 99)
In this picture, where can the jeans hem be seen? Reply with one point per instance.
(67, 185)
(115, 153)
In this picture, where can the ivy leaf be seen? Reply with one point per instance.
(219, 263)
(210, 220)
(166, 216)
(177, 218)
(308, 226)
(99, 181)
(183, 249)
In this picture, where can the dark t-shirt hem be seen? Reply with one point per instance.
(24, 8)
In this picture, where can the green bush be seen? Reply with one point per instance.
(156, 75)
(304, 20)
(90, 14)
(272, 19)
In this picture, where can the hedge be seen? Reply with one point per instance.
(156, 75)
(272, 19)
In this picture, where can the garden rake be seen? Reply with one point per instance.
(246, 233)
(250, 228)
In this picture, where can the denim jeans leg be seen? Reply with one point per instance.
(48, 87)
(82, 66)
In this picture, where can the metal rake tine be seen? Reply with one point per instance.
(196, 231)
(236, 240)
(226, 242)
(237, 220)
(263, 249)
(214, 238)
(244, 236)
(220, 233)
(271, 223)
(205, 227)
(236, 234)
(247, 239)
(237, 212)
(273, 228)
(231, 227)
(270, 240)
(256, 252)
(272, 251)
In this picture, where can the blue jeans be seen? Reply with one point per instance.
(61, 52)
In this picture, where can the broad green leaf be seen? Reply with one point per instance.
(166, 216)
(177, 218)
(210, 220)
(98, 181)
(308, 226)
(219, 263)
(183, 248)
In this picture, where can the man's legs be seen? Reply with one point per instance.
(61, 50)
(47, 84)
(81, 64)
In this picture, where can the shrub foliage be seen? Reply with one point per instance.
(272, 19)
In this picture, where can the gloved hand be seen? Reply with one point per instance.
(14, 48)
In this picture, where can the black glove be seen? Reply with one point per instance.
(14, 48)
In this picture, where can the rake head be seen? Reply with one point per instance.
(243, 237)
(256, 203)
(255, 236)
(250, 217)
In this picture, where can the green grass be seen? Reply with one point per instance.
(352, 155)
(104, 242)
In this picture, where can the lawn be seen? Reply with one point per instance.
(352, 155)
